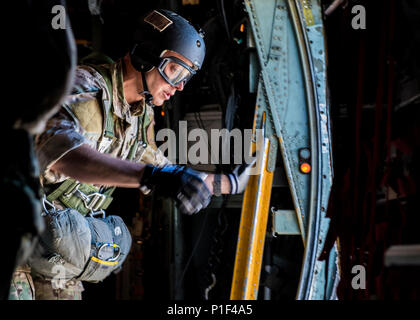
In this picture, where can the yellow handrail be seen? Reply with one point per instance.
(252, 230)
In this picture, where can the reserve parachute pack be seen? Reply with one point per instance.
(81, 248)
(77, 244)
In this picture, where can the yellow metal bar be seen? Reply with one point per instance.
(307, 12)
(252, 230)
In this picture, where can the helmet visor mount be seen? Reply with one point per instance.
(175, 71)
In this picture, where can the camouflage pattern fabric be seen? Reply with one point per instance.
(22, 286)
(45, 290)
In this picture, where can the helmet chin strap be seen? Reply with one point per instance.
(147, 95)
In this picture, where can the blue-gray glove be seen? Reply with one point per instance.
(183, 184)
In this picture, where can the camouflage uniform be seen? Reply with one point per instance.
(72, 290)
(81, 121)
(22, 286)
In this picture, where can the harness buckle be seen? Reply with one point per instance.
(45, 202)
(70, 192)
(92, 201)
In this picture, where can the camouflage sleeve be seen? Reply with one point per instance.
(61, 135)
(63, 131)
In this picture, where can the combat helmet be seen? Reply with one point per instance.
(163, 30)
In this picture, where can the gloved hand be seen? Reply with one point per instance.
(181, 183)
(239, 177)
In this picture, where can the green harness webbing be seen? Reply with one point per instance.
(109, 118)
(84, 197)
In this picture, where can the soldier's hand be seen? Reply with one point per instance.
(179, 182)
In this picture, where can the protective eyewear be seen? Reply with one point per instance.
(175, 71)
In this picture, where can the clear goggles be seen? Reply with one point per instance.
(175, 71)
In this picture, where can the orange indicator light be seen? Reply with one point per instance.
(305, 167)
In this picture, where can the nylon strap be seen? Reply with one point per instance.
(109, 118)
(70, 191)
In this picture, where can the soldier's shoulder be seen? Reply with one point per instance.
(87, 79)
